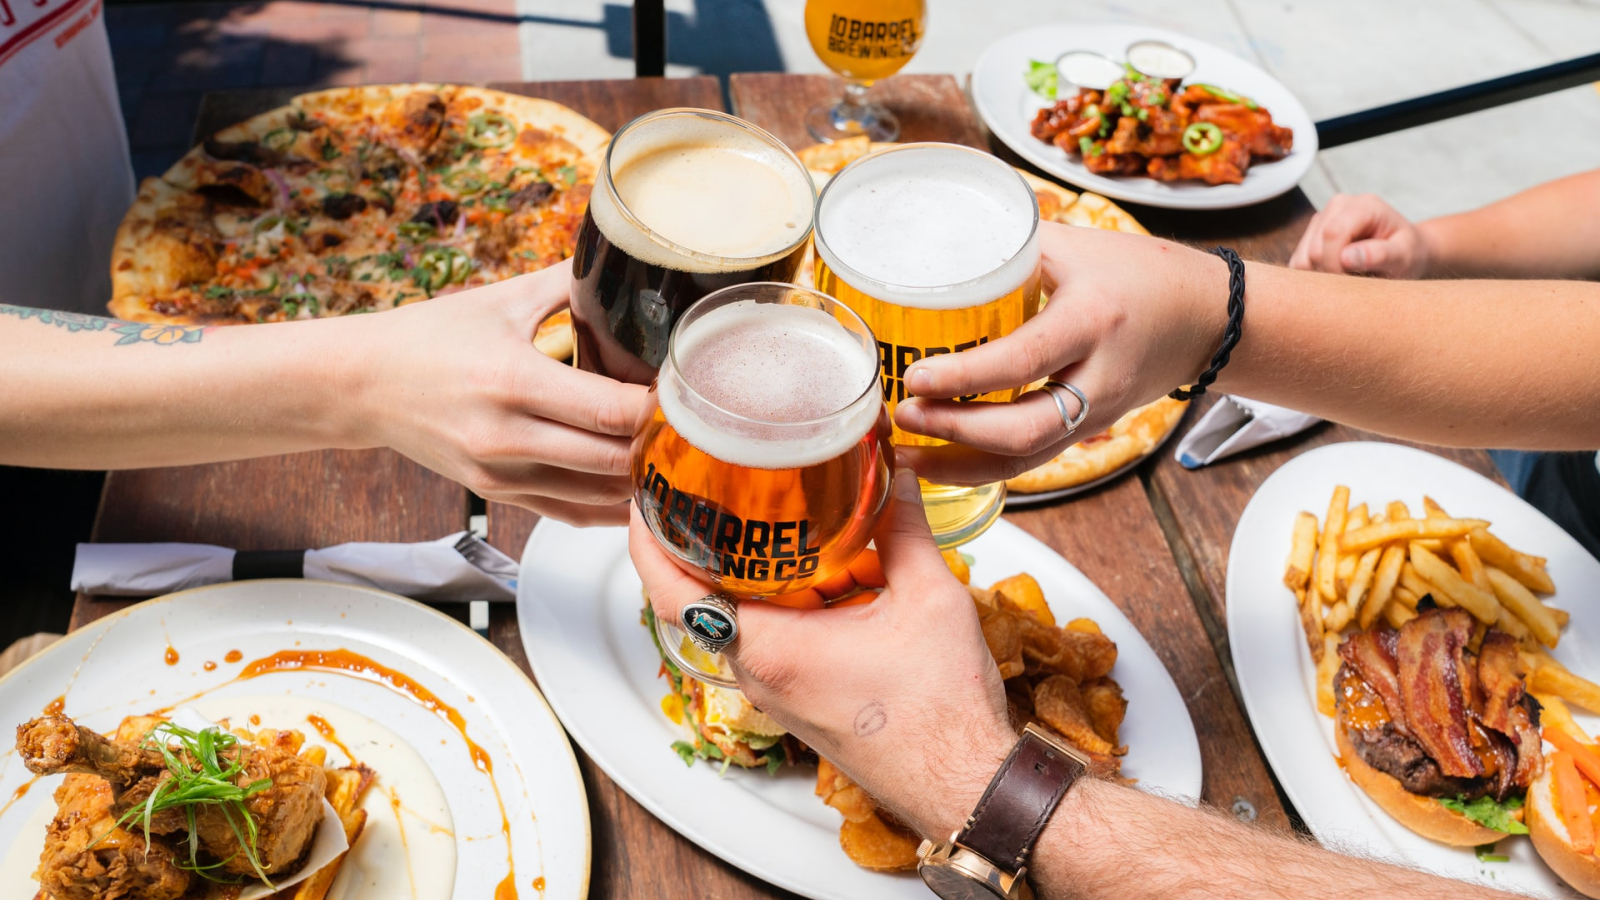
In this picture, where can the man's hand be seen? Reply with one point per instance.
(456, 384)
(901, 693)
(1362, 235)
(1130, 318)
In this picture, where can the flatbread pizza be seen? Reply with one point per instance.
(356, 200)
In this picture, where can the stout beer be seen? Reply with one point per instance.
(689, 201)
(937, 248)
(764, 461)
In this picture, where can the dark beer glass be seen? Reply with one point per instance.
(689, 201)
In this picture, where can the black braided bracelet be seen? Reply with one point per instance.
(1230, 337)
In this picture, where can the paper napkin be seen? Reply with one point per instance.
(1236, 424)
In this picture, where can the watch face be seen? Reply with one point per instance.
(953, 884)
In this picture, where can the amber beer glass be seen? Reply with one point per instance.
(862, 41)
(688, 201)
(764, 460)
(936, 246)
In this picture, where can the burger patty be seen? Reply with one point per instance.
(1392, 753)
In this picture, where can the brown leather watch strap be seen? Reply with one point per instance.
(1020, 799)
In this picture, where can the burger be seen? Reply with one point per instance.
(1445, 739)
(719, 724)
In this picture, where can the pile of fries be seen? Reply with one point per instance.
(1056, 677)
(1357, 567)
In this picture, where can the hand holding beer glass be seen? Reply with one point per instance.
(763, 463)
(861, 41)
(936, 246)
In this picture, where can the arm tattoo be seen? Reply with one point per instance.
(871, 719)
(131, 332)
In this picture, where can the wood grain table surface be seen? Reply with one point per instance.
(1156, 542)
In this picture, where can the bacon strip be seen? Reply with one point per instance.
(1501, 707)
(1428, 652)
(1366, 652)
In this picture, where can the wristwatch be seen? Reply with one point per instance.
(988, 858)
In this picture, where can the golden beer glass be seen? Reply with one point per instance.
(763, 462)
(936, 247)
(862, 41)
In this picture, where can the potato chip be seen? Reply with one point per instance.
(1024, 593)
(838, 791)
(877, 845)
(1058, 702)
(1106, 705)
(830, 158)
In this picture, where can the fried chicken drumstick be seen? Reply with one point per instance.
(286, 813)
(88, 857)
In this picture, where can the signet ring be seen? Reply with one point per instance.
(712, 622)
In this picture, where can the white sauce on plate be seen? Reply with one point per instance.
(1087, 69)
(1159, 59)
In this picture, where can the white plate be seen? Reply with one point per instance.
(114, 667)
(578, 603)
(1007, 108)
(1276, 675)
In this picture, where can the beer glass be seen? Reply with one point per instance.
(936, 246)
(764, 460)
(861, 41)
(688, 201)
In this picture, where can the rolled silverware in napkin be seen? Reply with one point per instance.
(457, 568)
(1235, 424)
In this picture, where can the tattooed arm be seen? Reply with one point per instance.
(454, 383)
(903, 695)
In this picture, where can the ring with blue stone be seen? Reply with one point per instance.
(711, 622)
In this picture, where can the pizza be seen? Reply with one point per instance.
(357, 200)
(1138, 433)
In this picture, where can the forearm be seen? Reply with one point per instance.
(1550, 231)
(1107, 841)
(86, 392)
(1467, 363)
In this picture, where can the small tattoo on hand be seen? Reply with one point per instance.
(871, 719)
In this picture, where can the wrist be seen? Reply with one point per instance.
(1432, 240)
(940, 795)
(1206, 303)
(343, 352)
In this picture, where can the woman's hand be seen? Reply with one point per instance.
(1362, 235)
(456, 384)
(901, 693)
(1129, 319)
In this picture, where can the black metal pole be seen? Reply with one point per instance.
(1459, 101)
(649, 38)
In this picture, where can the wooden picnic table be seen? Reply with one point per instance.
(1156, 542)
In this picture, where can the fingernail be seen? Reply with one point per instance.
(905, 484)
(1355, 258)
(908, 415)
(919, 380)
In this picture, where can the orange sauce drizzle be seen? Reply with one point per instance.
(355, 665)
(19, 793)
(209, 666)
(325, 728)
(538, 884)
(57, 706)
(233, 656)
(171, 656)
(255, 719)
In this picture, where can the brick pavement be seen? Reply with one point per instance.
(167, 54)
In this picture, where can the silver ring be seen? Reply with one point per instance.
(1071, 422)
(712, 622)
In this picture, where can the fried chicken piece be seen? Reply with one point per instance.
(88, 857)
(1226, 165)
(1114, 163)
(1161, 134)
(1253, 128)
(286, 814)
(1066, 114)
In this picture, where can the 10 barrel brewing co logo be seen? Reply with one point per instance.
(894, 360)
(863, 39)
(724, 544)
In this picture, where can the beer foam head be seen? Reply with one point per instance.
(770, 385)
(930, 225)
(702, 192)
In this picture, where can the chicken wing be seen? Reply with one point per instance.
(1252, 128)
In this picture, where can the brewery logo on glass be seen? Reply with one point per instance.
(866, 39)
(723, 544)
(894, 360)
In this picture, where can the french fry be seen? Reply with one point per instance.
(1525, 568)
(1562, 617)
(1327, 668)
(1347, 564)
(1521, 601)
(1396, 615)
(1555, 714)
(1569, 687)
(1328, 550)
(1396, 511)
(1361, 581)
(1411, 581)
(1407, 598)
(1510, 624)
(1467, 560)
(1302, 549)
(1409, 530)
(1481, 603)
(1311, 621)
(1337, 617)
(1383, 582)
(1357, 518)
(1432, 545)
(1433, 510)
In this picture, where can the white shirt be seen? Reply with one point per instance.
(65, 174)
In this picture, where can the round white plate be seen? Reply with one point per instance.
(1008, 106)
(115, 667)
(578, 604)
(1276, 675)
(1023, 501)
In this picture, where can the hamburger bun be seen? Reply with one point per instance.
(1424, 815)
(1549, 834)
